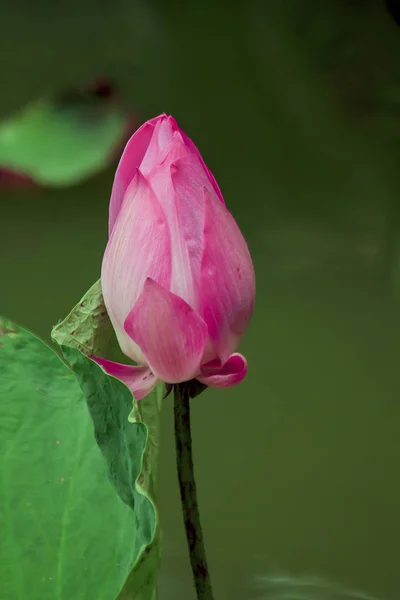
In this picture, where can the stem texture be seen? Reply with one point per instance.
(187, 485)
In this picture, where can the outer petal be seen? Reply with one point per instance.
(169, 332)
(130, 161)
(163, 139)
(192, 146)
(178, 183)
(188, 179)
(140, 380)
(166, 132)
(148, 147)
(231, 373)
(139, 247)
(227, 278)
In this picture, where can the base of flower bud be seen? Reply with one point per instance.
(194, 387)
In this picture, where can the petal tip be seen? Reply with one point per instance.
(214, 374)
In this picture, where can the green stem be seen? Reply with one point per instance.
(187, 484)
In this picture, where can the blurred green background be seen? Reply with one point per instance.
(296, 109)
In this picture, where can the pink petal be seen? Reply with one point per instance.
(147, 147)
(178, 183)
(139, 247)
(188, 180)
(131, 160)
(165, 136)
(140, 380)
(227, 278)
(169, 332)
(216, 375)
(191, 145)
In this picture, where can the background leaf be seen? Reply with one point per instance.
(63, 140)
(64, 532)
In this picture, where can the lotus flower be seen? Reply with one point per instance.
(177, 277)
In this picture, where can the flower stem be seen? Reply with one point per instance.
(187, 484)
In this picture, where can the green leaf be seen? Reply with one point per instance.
(65, 533)
(87, 330)
(62, 141)
(121, 434)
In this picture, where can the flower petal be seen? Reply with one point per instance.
(170, 334)
(231, 373)
(131, 160)
(188, 179)
(227, 278)
(140, 380)
(192, 146)
(139, 247)
(163, 140)
(148, 146)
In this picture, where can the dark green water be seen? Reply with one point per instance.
(297, 467)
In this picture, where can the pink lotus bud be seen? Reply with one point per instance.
(177, 277)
